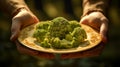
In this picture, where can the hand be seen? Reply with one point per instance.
(98, 22)
(19, 21)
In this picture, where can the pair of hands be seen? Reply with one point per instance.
(24, 18)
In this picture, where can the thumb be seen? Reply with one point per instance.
(15, 29)
(103, 32)
(84, 21)
(35, 19)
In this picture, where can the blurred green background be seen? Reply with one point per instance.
(72, 10)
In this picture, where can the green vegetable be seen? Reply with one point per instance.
(40, 34)
(79, 34)
(59, 27)
(73, 24)
(56, 43)
(59, 33)
(69, 37)
(45, 43)
(43, 25)
(65, 44)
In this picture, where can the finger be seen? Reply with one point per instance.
(103, 31)
(35, 19)
(15, 29)
(84, 21)
(32, 20)
(93, 22)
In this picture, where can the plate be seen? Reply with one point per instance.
(26, 39)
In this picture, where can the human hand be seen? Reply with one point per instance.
(98, 22)
(22, 19)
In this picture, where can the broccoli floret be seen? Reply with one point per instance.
(69, 37)
(55, 42)
(40, 34)
(79, 34)
(75, 43)
(58, 27)
(58, 24)
(60, 44)
(60, 21)
(43, 25)
(45, 43)
(65, 44)
(73, 24)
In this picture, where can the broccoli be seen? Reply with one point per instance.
(39, 34)
(43, 25)
(55, 43)
(73, 24)
(60, 44)
(65, 44)
(58, 27)
(75, 43)
(69, 37)
(45, 43)
(59, 33)
(79, 34)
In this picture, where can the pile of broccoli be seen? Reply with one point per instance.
(59, 33)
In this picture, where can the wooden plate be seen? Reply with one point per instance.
(26, 39)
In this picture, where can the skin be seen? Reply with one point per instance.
(25, 17)
(19, 21)
(22, 16)
(94, 16)
(100, 23)
(95, 19)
